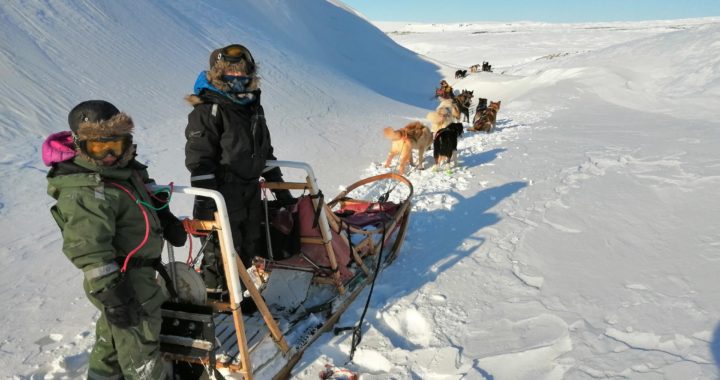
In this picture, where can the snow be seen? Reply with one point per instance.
(577, 241)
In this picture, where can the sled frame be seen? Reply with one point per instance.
(236, 272)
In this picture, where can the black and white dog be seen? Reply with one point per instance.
(445, 145)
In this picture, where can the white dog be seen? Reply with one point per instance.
(445, 113)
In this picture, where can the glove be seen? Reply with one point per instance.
(283, 194)
(173, 230)
(275, 175)
(122, 309)
(204, 208)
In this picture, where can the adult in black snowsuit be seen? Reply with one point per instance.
(227, 145)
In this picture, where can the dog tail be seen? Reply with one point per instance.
(435, 118)
(392, 134)
(414, 130)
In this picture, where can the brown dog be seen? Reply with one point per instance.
(413, 136)
(485, 120)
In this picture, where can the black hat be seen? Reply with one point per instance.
(95, 119)
(91, 111)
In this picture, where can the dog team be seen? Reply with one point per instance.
(486, 66)
(445, 129)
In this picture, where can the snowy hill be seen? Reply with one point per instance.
(579, 240)
(683, 82)
(318, 81)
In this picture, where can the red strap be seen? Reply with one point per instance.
(147, 226)
(191, 230)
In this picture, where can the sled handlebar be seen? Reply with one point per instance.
(271, 164)
(224, 233)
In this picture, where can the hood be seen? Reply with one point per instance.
(119, 125)
(58, 147)
(203, 89)
(216, 73)
(202, 83)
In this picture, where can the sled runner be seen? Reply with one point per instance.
(320, 256)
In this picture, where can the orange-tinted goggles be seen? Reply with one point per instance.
(235, 53)
(100, 148)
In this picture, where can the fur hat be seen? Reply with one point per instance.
(218, 66)
(97, 118)
(94, 119)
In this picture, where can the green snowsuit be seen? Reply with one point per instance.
(101, 223)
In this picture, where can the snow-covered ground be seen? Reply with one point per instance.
(580, 240)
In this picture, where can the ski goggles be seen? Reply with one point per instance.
(237, 83)
(101, 147)
(243, 79)
(236, 53)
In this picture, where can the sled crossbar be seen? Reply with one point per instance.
(286, 185)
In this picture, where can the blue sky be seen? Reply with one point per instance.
(533, 10)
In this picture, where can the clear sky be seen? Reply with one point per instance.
(533, 10)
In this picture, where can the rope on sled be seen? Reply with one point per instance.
(357, 329)
(191, 231)
(384, 197)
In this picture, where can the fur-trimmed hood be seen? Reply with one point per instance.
(119, 125)
(203, 84)
(215, 75)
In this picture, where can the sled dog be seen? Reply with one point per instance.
(486, 121)
(414, 136)
(482, 105)
(445, 144)
(462, 102)
(446, 112)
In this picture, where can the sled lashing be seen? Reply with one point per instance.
(320, 256)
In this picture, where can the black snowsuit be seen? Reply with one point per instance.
(227, 152)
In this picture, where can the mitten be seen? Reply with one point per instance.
(204, 208)
(122, 309)
(173, 230)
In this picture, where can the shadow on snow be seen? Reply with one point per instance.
(715, 346)
(437, 241)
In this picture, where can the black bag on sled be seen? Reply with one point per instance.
(284, 230)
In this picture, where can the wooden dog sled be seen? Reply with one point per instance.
(298, 295)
